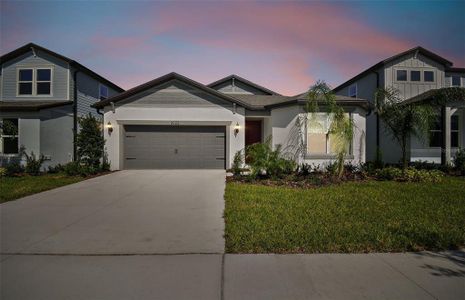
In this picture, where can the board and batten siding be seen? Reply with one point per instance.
(408, 89)
(60, 76)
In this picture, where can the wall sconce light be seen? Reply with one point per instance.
(109, 128)
(236, 129)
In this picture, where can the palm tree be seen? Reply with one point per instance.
(341, 128)
(403, 120)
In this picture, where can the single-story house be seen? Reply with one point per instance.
(176, 122)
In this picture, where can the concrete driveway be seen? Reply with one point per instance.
(159, 235)
(127, 212)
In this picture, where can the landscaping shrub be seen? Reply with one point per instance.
(3, 172)
(409, 175)
(33, 164)
(14, 167)
(90, 142)
(459, 161)
(56, 169)
(265, 161)
(237, 163)
(78, 169)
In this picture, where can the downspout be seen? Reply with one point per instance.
(75, 119)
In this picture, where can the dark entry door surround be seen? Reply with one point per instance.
(253, 132)
(174, 147)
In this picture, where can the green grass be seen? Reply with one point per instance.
(371, 216)
(16, 187)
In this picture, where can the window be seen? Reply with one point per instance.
(401, 75)
(25, 77)
(456, 81)
(103, 92)
(353, 91)
(35, 82)
(436, 132)
(414, 75)
(319, 140)
(9, 136)
(454, 131)
(428, 76)
(43, 81)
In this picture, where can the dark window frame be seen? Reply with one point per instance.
(399, 72)
(13, 136)
(426, 79)
(416, 72)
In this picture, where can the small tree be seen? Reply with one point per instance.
(90, 141)
(341, 128)
(403, 120)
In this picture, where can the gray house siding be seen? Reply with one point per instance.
(56, 135)
(366, 88)
(174, 94)
(237, 87)
(88, 94)
(448, 79)
(60, 76)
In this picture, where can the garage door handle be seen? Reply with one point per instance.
(175, 151)
(129, 158)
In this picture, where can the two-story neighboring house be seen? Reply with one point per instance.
(42, 94)
(417, 74)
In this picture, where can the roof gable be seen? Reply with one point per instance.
(417, 50)
(160, 81)
(30, 47)
(241, 84)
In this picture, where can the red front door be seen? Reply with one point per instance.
(253, 132)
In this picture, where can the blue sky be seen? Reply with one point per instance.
(285, 46)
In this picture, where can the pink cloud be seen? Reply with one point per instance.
(295, 35)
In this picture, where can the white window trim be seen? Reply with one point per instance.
(108, 91)
(13, 136)
(18, 82)
(410, 76)
(434, 76)
(402, 81)
(34, 81)
(356, 90)
(459, 130)
(328, 145)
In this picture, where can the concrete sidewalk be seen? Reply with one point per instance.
(424, 275)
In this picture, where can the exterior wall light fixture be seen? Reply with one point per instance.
(109, 128)
(236, 129)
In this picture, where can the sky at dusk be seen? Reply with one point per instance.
(285, 46)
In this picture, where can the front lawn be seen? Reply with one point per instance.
(16, 187)
(372, 216)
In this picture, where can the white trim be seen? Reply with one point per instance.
(406, 75)
(34, 81)
(434, 76)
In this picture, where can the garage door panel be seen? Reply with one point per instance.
(174, 147)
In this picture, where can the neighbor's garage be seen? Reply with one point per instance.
(174, 147)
